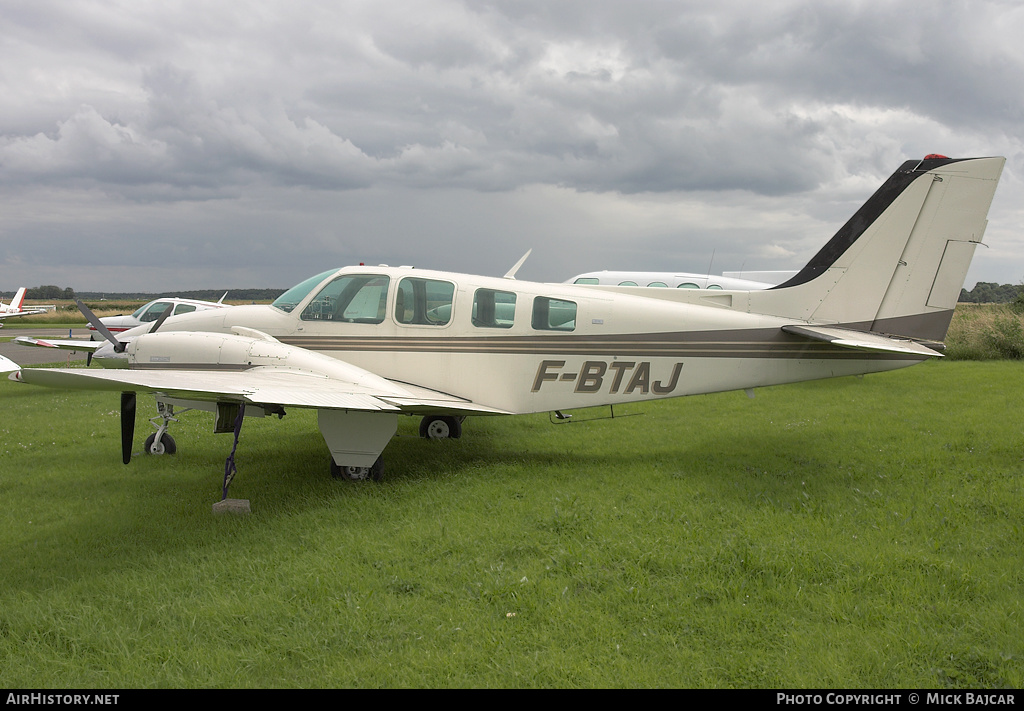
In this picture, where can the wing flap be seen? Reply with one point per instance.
(862, 340)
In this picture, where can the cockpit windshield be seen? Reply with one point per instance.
(291, 298)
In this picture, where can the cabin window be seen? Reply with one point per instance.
(713, 286)
(494, 309)
(587, 280)
(291, 298)
(183, 309)
(553, 314)
(658, 283)
(627, 283)
(687, 285)
(354, 298)
(426, 302)
(154, 311)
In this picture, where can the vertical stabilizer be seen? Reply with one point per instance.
(19, 300)
(897, 266)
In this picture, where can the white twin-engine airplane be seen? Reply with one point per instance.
(15, 307)
(363, 345)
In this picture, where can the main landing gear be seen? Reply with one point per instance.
(359, 473)
(441, 427)
(229, 419)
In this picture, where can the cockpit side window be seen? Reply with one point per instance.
(494, 309)
(553, 314)
(353, 298)
(424, 302)
(183, 309)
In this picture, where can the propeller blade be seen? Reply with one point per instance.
(163, 317)
(127, 425)
(98, 325)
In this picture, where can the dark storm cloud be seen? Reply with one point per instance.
(218, 127)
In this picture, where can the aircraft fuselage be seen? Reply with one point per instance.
(529, 347)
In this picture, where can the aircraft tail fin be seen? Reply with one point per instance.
(19, 300)
(897, 266)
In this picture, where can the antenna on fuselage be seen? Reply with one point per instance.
(511, 273)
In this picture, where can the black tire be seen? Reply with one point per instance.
(167, 445)
(375, 473)
(440, 427)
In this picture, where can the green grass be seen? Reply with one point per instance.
(853, 533)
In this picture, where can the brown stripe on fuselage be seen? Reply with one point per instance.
(754, 343)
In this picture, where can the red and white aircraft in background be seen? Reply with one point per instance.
(15, 307)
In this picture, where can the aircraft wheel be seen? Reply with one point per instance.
(166, 445)
(440, 427)
(376, 472)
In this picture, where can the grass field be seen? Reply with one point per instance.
(852, 533)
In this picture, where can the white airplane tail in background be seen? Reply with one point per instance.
(897, 266)
(16, 302)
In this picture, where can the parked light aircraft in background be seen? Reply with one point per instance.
(682, 280)
(154, 310)
(363, 345)
(15, 307)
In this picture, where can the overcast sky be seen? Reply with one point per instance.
(184, 145)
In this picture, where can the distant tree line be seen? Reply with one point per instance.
(48, 291)
(201, 294)
(986, 292)
(55, 292)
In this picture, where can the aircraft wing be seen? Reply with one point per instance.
(257, 386)
(862, 340)
(68, 344)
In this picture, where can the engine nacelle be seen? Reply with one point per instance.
(201, 350)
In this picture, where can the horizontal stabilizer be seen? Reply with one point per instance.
(861, 340)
